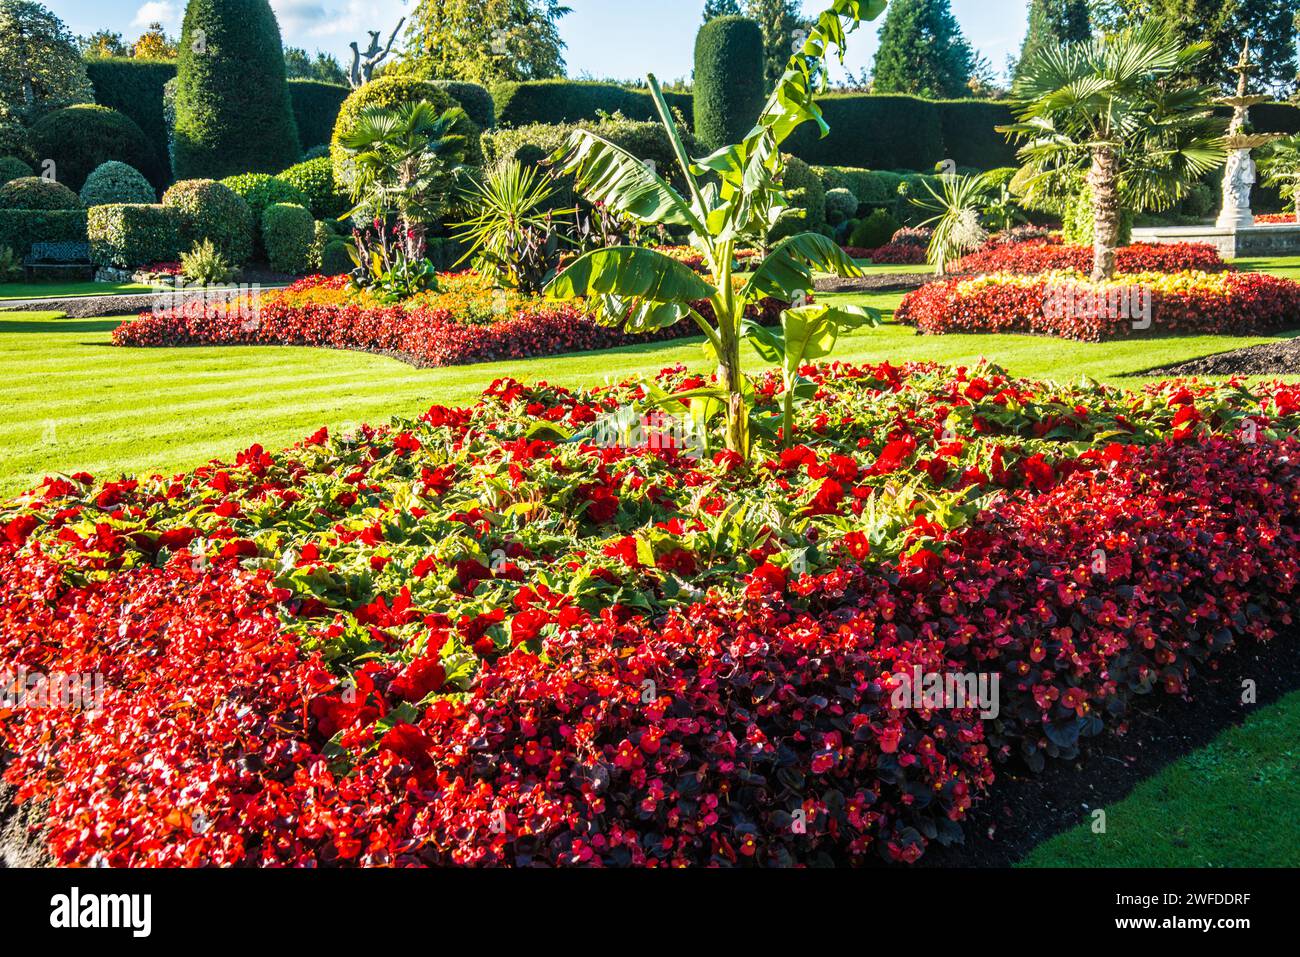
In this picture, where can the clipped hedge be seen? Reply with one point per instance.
(473, 98)
(970, 136)
(288, 234)
(127, 235)
(22, 227)
(314, 179)
(315, 109)
(208, 210)
(576, 101)
(533, 144)
(729, 84)
(80, 138)
(115, 182)
(35, 192)
(135, 88)
(807, 193)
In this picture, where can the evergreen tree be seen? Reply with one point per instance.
(782, 23)
(721, 8)
(485, 41)
(233, 113)
(40, 66)
(1053, 23)
(1270, 26)
(922, 51)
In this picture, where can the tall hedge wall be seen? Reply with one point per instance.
(315, 108)
(572, 101)
(135, 88)
(474, 99)
(729, 85)
(970, 136)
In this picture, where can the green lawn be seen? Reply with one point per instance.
(64, 290)
(70, 401)
(1231, 804)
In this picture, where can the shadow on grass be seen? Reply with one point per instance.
(57, 325)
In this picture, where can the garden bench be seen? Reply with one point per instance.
(66, 257)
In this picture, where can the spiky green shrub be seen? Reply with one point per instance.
(233, 110)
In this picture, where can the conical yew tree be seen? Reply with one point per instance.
(233, 113)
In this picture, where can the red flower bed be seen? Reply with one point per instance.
(1276, 219)
(1028, 258)
(1072, 308)
(468, 640)
(423, 335)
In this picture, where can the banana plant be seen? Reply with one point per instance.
(733, 199)
(807, 333)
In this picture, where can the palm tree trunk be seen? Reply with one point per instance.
(1103, 180)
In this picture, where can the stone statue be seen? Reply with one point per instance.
(1240, 179)
(363, 64)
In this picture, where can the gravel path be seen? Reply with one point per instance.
(92, 307)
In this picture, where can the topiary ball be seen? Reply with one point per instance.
(209, 210)
(33, 192)
(841, 205)
(288, 235)
(80, 138)
(115, 182)
(874, 231)
(314, 179)
(11, 167)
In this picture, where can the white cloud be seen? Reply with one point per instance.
(299, 15)
(158, 11)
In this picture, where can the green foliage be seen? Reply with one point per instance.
(14, 138)
(40, 67)
(135, 89)
(209, 210)
(876, 229)
(13, 168)
(80, 138)
(474, 99)
(288, 233)
(576, 101)
(205, 265)
(970, 133)
(534, 143)
(33, 192)
(729, 84)
(1053, 23)
(314, 179)
(323, 68)
(841, 204)
(957, 227)
(130, 235)
(233, 111)
(922, 51)
(806, 198)
(22, 227)
(335, 258)
(485, 41)
(780, 22)
(11, 265)
(735, 197)
(511, 236)
(1078, 222)
(721, 8)
(874, 132)
(315, 109)
(392, 90)
(260, 191)
(115, 182)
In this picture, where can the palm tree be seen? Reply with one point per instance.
(1281, 167)
(1122, 108)
(406, 160)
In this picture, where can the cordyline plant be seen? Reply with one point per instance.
(734, 198)
(1124, 108)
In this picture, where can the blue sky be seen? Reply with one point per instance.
(606, 38)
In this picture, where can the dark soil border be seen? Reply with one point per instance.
(1271, 358)
(1023, 810)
